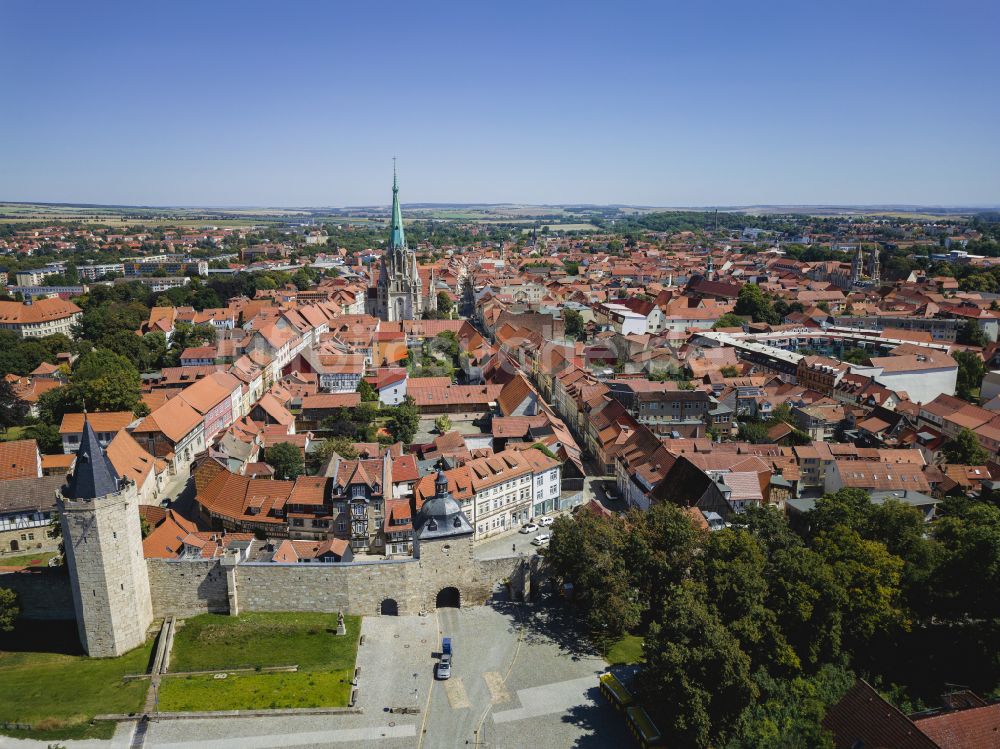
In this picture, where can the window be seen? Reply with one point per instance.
(358, 491)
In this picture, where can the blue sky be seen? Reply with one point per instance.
(666, 103)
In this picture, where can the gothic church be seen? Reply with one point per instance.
(399, 292)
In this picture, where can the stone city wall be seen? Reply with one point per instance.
(187, 588)
(42, 593)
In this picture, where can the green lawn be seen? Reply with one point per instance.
(58, 693)
(626, 650)
(250, 691)
(12, 434)
(217, 641)
(29, 560)
(212, 641)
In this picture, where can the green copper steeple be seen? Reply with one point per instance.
(396, 236)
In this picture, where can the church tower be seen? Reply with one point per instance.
(875, 273)
(858, 265)
(399, 294)
(99, 512)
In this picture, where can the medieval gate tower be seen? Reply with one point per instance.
(99, 511)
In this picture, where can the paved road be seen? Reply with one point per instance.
(495, 548)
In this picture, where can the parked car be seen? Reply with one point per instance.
(541, 539)
(444, 668)
(529, 528)
(545, 521)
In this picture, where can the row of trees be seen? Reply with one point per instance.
(752, 631)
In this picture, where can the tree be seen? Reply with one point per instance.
(854, 356)
(444, 303)
(969, 537)
(9, 609)
(660, 550)
(789, 712)
(696, 677)
(971, 334)
(13, 410)
(753, 431)
(47, 436)
(368, 393)
(286, 460)
(970, 373)
(591, 553)
(107, 381)
(343, 447)
(442, 423)
(965, 450)
(752, 303)
(732, 568)
(404, 420)
(730, 371)
(101, 381)
(872, 575)
(573, 324)
(728, 320)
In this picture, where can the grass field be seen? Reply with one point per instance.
(39, 559)
(14, 433)
(252, 691)
(211, 641)
(58, 693)
(626, 650)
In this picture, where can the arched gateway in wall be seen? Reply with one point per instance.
(449, 598)
(389, 607)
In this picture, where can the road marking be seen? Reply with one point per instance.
(498, 692)
(457, 696)
(336, 736)
(549, 699)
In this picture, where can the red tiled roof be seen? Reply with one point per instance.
(18, 459)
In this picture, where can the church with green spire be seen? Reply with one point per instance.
(399, 290)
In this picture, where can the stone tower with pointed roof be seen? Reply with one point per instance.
(99, 512)
(399, 294)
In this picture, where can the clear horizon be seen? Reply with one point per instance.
(230, 105)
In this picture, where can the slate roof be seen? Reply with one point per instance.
(94, 475)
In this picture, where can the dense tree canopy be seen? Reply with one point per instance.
(101, 381)
(751, 632)
(965, 449)
(286, 460)
(753, 303)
